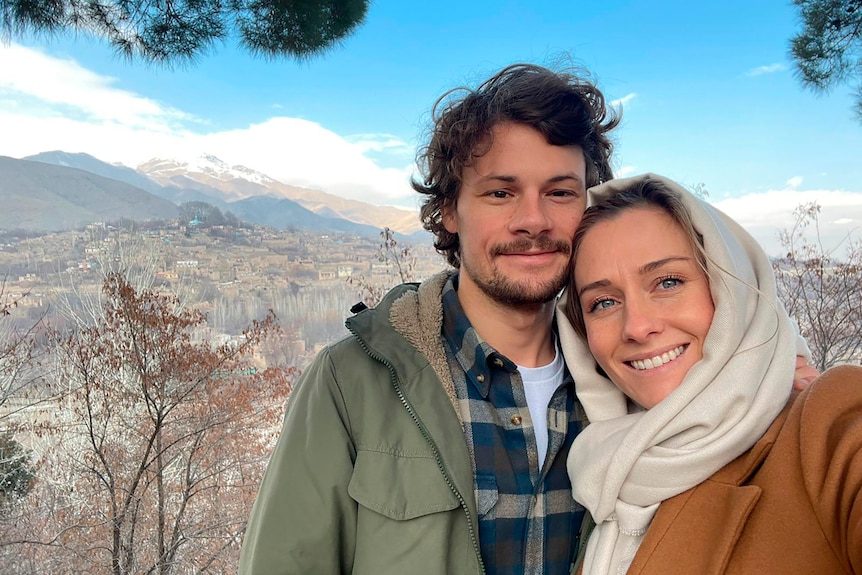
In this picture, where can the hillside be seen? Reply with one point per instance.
(252, 196)
(44, 197)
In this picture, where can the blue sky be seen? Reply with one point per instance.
(706, 89)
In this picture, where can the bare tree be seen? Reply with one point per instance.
(396, 265)
(20, 390)
(137, 258)
(19, 359)
(823, 293)
(153, 457)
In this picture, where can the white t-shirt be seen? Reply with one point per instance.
(540, 383)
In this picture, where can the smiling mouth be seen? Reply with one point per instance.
(657, 361)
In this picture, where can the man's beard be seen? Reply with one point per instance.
(504, 290)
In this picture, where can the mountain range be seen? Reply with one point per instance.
(54, 191)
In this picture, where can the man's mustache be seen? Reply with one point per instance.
(524, 245)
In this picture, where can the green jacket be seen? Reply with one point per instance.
(371, 473)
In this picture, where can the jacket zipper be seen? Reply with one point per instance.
(437, 457)
(587, 526)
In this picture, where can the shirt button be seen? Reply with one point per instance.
(498, 362)
(480, 378)
(516, 420)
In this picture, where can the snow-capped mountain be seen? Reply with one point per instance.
(251, 195)
(204, 164)
(206, 173)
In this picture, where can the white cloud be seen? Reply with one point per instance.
(765, 215)
(57, 87)
(48, 103)
(624, 100)
(304, 153)
(794, 182)
(769, 69)
(625, 171)
(380, 143)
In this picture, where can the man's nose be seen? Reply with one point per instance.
(531, 216)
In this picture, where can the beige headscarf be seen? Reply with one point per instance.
(627, 461)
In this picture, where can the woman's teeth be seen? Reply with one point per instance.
(658, 360)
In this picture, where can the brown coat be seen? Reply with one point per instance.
(790, 505)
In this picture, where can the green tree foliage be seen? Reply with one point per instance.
(16, 474)
(205, 214)
(828, 51)
(169, 31)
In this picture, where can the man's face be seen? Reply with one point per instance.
(515, 215)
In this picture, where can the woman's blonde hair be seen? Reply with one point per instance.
(644, 193)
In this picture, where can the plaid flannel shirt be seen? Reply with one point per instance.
(528, 521)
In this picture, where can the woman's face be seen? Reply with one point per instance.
(645, 301)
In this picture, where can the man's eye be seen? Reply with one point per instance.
(499, 193)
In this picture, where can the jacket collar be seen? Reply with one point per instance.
(418, 317)
(415, 313)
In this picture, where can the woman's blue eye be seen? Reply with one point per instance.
(668, 283)
(602, 304)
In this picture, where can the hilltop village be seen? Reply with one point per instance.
(233, 272)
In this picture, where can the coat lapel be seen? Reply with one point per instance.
(696, 531)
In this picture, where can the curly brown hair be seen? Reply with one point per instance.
(566, 107)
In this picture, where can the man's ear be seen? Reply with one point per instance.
(448, 215)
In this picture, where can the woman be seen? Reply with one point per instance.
(699, 457)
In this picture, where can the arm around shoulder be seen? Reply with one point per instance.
(303, 519)
(831, 451)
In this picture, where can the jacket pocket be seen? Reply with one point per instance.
(399, 487)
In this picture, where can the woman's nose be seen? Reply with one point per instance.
(640, 320)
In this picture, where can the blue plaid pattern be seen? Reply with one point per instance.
(528, 521)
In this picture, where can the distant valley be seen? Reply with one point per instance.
(57, 191)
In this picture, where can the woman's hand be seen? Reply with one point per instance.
(805, 373)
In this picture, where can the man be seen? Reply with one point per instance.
(412, 446)
(434, 438)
